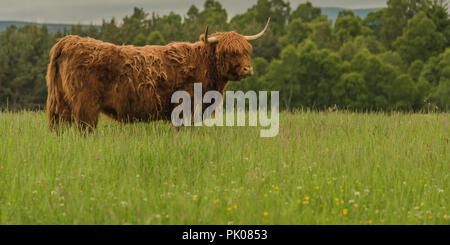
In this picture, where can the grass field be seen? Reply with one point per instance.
(322, 168)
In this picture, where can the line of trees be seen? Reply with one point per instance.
(395, 58)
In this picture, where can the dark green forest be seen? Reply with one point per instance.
(397, 58)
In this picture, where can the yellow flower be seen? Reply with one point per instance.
(355, 205)
(305, 202)
(298, 201)
(357, 181)
(216, 201)
(327, 220)
(382, 220)
(262, 179)
(345, 211)
(409, 216)
(334, 178)
(266, 213)
(195, 198)
(417, 208)
(329, 182)
(342, 201)
(370, 221)
(336, 199)
(306, 197)
(430, 217)
(235, 206)
(422, 204)
(316, 187)
(377, 211)
(229, 209)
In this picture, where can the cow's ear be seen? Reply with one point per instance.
(202, 37)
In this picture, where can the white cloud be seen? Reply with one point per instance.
(93, 11)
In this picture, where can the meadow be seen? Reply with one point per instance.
(322, 168)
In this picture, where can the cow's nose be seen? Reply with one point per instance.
(248, 70)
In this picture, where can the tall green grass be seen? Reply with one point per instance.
(322, 168)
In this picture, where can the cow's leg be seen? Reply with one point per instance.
(58, 111)
(86, 111)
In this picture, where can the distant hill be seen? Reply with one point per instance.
(331, 12)
(51, 27)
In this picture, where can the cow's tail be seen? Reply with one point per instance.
(54, 84)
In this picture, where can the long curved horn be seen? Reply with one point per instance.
(254, 37)
(209, 39)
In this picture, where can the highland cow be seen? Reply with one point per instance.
(86, 77)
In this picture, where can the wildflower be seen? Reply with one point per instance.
(357, 193)
(344, 211)
(298, 201)
(124, 203)
(334, 178)
(355, 205)
(416, 208)
(440, 190)
(446, 217)
(194, 197)
(235, 206)
(357, 181)
(266, 213)
(306, 197)
(299, 187)
(377, 211)
(262, 179)
(216, 201)
(351, 201)
(422, 204)
(366, 191)
(305, 202)
(370, 221)
(316, 187)
(430, 217)
(229, 209)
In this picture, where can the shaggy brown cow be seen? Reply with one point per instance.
(86, 76)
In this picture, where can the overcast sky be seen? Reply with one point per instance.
(93, 11)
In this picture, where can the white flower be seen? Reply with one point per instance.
(124, 203)
(299, 187)
(440, 190)
(366, 191)
(351, 201)
(357, 193)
